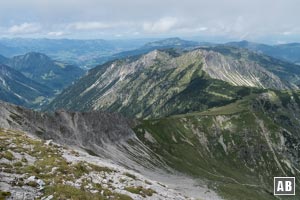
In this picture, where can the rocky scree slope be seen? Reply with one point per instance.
(163, 83)
(107, 136)
(37, 169)
(286, 71)
(81, 129)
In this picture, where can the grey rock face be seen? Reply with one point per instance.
(81, 129)
(239, 72)
(108, 135)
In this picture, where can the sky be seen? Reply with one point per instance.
(269, 21)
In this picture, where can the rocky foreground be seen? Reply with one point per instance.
(31, 168)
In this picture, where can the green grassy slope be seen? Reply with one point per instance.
(237, 148)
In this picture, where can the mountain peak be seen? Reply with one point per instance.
(36, 55)
(244, 42)
(44, 70)
(155, 54)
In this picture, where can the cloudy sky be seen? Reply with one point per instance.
(256, 20)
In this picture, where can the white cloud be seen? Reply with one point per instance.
(89, 25)
(287, 33)
(25, 28)
(192, 28)
(202, 29)
(281, 42)
(57, 33)
(163, 25)
(118, 35)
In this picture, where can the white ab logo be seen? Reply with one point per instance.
(288, 186)
(284, 185)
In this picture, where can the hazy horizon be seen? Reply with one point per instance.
(268, 21)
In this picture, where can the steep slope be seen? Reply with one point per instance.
(107, 137)
(44, 70)
(100, 133)
(239, 71)
(285, 70)
(67, 127)
(289, 52)
(234, 150)
(162, 83)
(18, 89)
(237, 148)
(41, 169)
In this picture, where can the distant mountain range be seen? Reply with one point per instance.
(287, 52)
(169, 43)
(78, 52)
(44, 70)
(89, 53)
(34, 78)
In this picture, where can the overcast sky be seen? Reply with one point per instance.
(256, 20)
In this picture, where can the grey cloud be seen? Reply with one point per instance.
(236, 19)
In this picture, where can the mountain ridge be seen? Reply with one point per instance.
(159, 81)
(286, 52)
